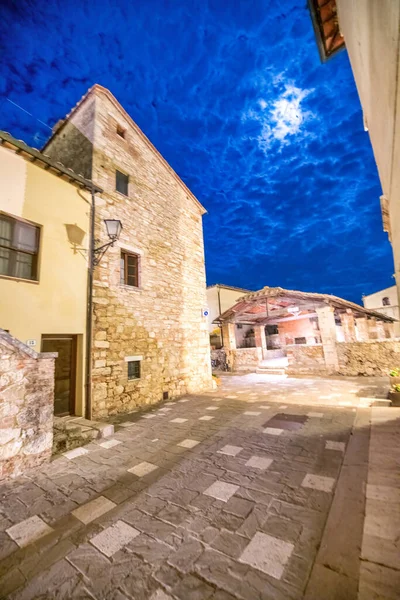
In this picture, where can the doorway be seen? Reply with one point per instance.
(272, 337)
(65, 371)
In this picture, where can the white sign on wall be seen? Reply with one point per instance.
(31, 342)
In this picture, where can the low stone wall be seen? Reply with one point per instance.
(368, 358)
(305, 360)
(26, 406)
(244, 359)
(372, 358)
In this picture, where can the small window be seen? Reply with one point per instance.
(129, 269)
(134, 369)
(165, 395)
(300, 340)
(385, 301)
(272, 330)
(121, 131)
(239, 326)
(19, 247)
(121, 182)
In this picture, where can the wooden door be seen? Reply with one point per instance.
(65, 371)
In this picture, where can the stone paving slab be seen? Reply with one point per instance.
(267, 554)
(114, 538)
(93, 509)
(188, 508)
(28, 531)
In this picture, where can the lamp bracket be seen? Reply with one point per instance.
(99, 252)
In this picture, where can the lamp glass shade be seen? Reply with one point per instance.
(114, 228)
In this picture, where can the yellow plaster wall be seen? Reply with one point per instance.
(56, 304)
(13, 180)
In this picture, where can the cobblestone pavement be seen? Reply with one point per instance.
(255, 491)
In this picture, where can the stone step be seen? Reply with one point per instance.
(72, 432)
(271, 371)
(381, 402)
(372, 401)
(273, 354)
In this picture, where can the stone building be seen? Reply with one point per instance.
(314, 333)
(150, 338)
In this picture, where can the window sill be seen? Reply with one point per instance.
(130, 384)
(19, 279)
(131, 288)
(121, 194)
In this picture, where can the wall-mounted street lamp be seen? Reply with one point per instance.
(114, 228)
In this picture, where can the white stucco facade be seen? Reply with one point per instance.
(219, 299)
(371, 30)
(386, 302)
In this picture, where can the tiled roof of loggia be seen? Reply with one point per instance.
(255, 303)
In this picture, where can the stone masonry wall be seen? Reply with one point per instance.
(160, 322)
(244, 359)
(368, 358)
(26, 406)
(74, 142)
(306, 360)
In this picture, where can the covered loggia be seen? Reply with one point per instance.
(293, 329)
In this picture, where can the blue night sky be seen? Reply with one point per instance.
(234, 96)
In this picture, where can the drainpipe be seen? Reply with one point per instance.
(219, 308)
(89, 316)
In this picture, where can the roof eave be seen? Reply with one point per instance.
(334, 301)
(7, 141)
(324, 57)
(229, 287)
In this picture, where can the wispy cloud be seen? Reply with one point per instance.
(288, 116)
(281, 115)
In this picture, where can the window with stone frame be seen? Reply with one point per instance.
(19, 248)
(121, 182)
(129, 269)
(133, 369)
